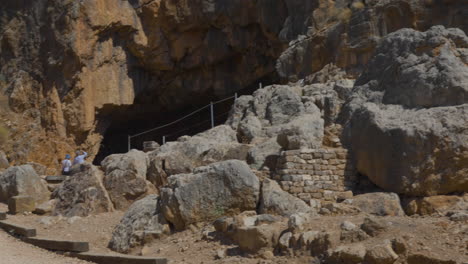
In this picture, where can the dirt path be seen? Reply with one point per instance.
(14, 251)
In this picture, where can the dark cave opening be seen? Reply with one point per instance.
(121, 122)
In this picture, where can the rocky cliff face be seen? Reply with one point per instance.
(69, 69)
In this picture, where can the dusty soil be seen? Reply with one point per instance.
(435, 235)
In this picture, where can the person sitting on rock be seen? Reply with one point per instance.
(66, 165)
(80, 157)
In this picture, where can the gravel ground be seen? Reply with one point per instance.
(13, 251)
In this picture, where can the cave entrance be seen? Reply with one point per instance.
(120, 122)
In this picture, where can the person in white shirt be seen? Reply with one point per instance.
(80, 157)
(66, 165)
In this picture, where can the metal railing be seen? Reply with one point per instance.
(212, 119)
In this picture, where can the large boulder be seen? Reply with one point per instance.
(278, 117)
(407, 121)
(125, 178)
(22, 180)
(440, 204)
(187, 153)
(378, 203)
(142, 221)
(83, 193)
(209, 192)
(276, 201)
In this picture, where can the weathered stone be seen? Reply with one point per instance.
(83, 193)
(303, 132)
(21, 204)
(264, 156)
(374, 226)
(125, 178)
(353, 253)
(284, 240)
(409, 112)
(22, 180)
(381, 204)
(3, 161)
(459, 217)
(142, 217)
(253, 238)
(45, 207)
(434, 204)
(210, 192)
(149, 146)
(276, 201)
(381, 254)
(297, 222)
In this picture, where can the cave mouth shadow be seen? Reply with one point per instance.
(117, 123)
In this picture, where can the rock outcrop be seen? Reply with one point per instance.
(182, 156)
(125, 178)
(83, 193)
(409, 113)
(209, 192)
(142, 222)
(22, 180)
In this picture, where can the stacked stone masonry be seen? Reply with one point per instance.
(326, 174)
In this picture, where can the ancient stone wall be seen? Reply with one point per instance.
(326, 174)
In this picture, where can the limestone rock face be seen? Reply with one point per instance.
(22, 180)
(209, 192)
(142, 220)
(276, 201)
(125, 178)
(347, 35)
(408, 115)
(83, 193)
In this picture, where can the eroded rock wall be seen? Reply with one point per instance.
(71, 68)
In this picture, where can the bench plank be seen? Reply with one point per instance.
(61, 245)
(121, 259)
(19, 230)
(3, 216)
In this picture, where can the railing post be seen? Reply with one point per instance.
(212, 114)
(260, 85)
(129, 142)
(164, 140)
(235, 97)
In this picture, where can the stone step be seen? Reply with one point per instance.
(117, 258)
(61, 245)
(17, 229)
(55, 179)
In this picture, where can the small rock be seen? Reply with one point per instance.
(145, 251)
(349, 254)
(47, 221)
(283, 242)
(73, 219)
(266, 219)
(381, 254)
(459, 217)
(267, 254)
(220, 254)
(373, 226)
(346, 225)
(298, 221)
